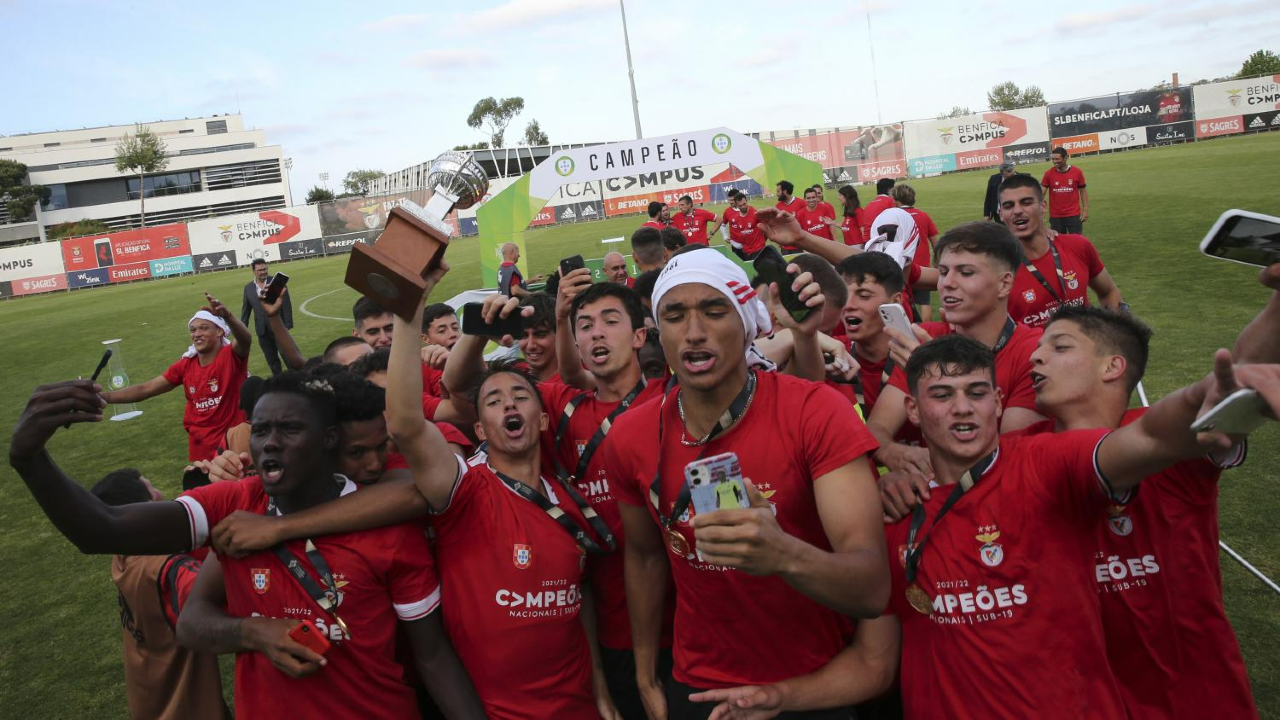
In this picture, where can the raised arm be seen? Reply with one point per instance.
(1104, 286)
(157, 385)
(466, 359)
(886, 419)
(806, 354)
(645, 575)
(150, 528)
(782, 228)
(241, 338)
(571, 371)
(1259, 342)
(441, 670)
(280, 329)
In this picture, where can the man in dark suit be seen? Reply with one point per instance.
(991, 205)
(251, 303)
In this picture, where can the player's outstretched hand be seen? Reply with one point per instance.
(435, 356)
(270, 636)
(272, 309)
(242, 533)
(748, 702)
(779, 226)
(571, 286)
(906, 458)
(809, 292)
(496, 307)
(215, 306)
(51, 406)
(900, 492)
(747, 539)
(901, 346)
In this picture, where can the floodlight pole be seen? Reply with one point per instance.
(631, 72)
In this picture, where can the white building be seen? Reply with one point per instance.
(216, 167)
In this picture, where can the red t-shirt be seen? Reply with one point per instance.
(827, 208)
(1064, 191)
(1030, 303)
(693, 224)
(794, 431)
(811, 221)
(871, 210)
(928, 231)
(1013, 603)
(1169, 108)
(654, 224)
(613, 624)
(431, 383)
(871, 375)
(512, 581)
(1013, 365)
(792, 207)
(1155, 568)
(743, 231)
(213, 398)
(383, 575)
(853, 228)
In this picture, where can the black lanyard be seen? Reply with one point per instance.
(577, 532)
(966, 483)
(731, 416)
(323, 591)
(1005, 335)
(1057, 265)
(584, 458)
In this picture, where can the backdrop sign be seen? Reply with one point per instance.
(835, 148)
(1120, 111)
(980, 131)
(247, 235)
(27, 261)
(33, 285)
(1236, 97)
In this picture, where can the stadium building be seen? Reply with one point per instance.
(216, 167)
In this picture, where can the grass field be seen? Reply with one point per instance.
(1149, 208)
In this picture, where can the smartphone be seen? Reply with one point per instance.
(570, 264)
(715, 483)
(194, 478)
(473, 323)
(309, 637)
(895, 317)
(1240, 413)
(1244, 237)
(275, 285)
(770, 265)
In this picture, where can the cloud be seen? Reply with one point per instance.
(392, 23)
(524, 13)
(1089, 21)
(449, 59)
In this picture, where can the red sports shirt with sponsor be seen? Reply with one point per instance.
(742, 230)
(853, 228)
(1031, 303)
(1013, 603)
(1013, 365)
(1064, 191)
(512, 580)
(792, 207)
(732, 628)
(382, 575)
(1155, 568)
(613, 624)
(693, 224)
(812, 221)
(872, 210)
(928, 231)
(213, 398)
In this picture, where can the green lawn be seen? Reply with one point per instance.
(1149, 208)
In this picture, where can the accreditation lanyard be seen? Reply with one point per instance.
(584, 458)
(731, 416)
(1057, 266)
(1005, 334)
(571, 526)
(324, 591)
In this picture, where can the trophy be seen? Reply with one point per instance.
(392, 270)
(118, 379)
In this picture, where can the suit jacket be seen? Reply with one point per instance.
(991, 205)
(250, 303)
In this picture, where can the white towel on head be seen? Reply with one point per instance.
(902, 248)
(206, 315)
(709, 267)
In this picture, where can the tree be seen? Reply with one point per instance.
(318, 194)
(533, 134)
(955, 112)
(482, 145)
(19, 197)
(495, 115)
(1007, 96)
(77, 229)
(1263, 62)
(141, 153)
(357, 181)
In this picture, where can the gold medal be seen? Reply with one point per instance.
(677, 542)
(919, 599)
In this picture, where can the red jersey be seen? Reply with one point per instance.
(792, 207)
(852, 228)
(871, 210)
(827, 208)
(1013, 365)
(1064, 191)
(871, 377)
(613, 624)
(1155, 568)
(794, 432)
(512, 581)
(693, 224)
(213, 398)
(1169, 108)
(383, 575)
(431, 380)
(1031, 303)
(654, 224)
(928, 231)
(812, 221)
(742, 230)
(1013, 603)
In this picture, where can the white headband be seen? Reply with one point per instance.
(709, 267)
(206, 315)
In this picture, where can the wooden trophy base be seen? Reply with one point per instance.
(391, 272)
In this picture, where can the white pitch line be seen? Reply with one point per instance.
(304, 309)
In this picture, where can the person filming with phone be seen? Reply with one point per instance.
(251, 304)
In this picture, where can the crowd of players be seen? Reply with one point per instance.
(514, 539)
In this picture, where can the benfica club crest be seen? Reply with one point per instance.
(213, 385)
(1119, 523)
(1029, 295)
(522, 556)
(1072, 281)
(261, 578)
(991, 553)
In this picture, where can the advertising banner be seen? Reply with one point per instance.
(364, 214)
(545, 216)
(871, 172)
(247, 233)
(1120, 139)
(6, 289)
(627, 205)
(720, 191)
(929, 138)
(1219, 126)
(78, 254)
(301, 248)
(971, 159)
(87, 278)
(1233, 98)
(213, 261)
(33, 285)
(1027, 154)
(341, 244)
(468, 225)
(127, 273)
(836, 147)
(28, 261)
(1079, 143)
(574, 193)
(171, 266)
(1254, 122)
(1174, 132)
(143, 244)
(932, 165)
(590, 210)
(1120, 111)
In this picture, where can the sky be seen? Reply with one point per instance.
(342, 86)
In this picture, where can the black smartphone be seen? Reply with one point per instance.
(473, 323)
(570, 264)
(1244, 237)
(194, 478)
(770, 265)
(275, 286)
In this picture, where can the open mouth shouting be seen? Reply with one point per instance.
(698, 361)
(513, 424)
(1038, 380)
(964, 432)
(271, 471)
(599, 354)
